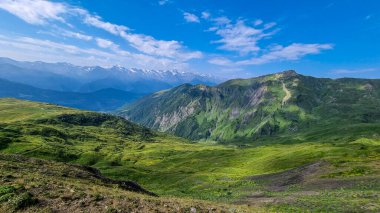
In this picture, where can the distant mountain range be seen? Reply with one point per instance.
(101, 100)
(246, 109)
(70, 78)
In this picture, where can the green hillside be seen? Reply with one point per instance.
(62, 134)
(244, 110)
(33, 185)
(323, 169)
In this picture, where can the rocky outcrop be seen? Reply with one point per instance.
(168, 120)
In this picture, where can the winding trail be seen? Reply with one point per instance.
(288, 95)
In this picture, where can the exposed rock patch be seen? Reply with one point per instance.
(288, 95)
(168, 120)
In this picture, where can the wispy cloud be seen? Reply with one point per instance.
(144, 43)
(35, 11)
(189, 17)
(222, 61)
(288, 53)
(27, 48)
(278, 53)
(104, 43)
(59, 33)
(353, 71)
(205, 15)
(96, 21)
(244, 38)
(41, 12)
(240, 37)
(76, 35)
(163, 2)
(258, 22)
(34, 49)
(149, 45)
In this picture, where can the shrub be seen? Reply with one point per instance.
(6, 190)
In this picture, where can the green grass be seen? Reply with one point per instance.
(171, 166)
(214, 172)
(342, 200)
(32, 185)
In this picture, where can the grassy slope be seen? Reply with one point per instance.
(171, 166)
(33, 185)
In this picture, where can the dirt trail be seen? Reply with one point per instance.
(287, 92)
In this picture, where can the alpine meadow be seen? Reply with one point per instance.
(189, 106)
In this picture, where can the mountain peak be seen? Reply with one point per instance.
(284, 74)
(290, 72)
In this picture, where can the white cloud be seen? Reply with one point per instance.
(163, 2)
(31, 49)
(35, 11)
(258, 22)
(189, 17)
(239, 36)
(77, 35)
(277, 53)
(221, 21)
(269, 25)
(40, 12)
(144, 43)
(221, 61)
(206, 15)
(35, 48)
(96, 21)
(245, 39)
(151, 46)
(104, 43)
(354, 71)
(289, 53)
(59, 32)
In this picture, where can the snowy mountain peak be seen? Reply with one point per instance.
(68, 77)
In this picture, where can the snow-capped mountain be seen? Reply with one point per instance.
(69, 77)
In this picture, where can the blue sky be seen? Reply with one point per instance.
(240, 38)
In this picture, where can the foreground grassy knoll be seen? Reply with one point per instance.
(324, 169)
(32, 185)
